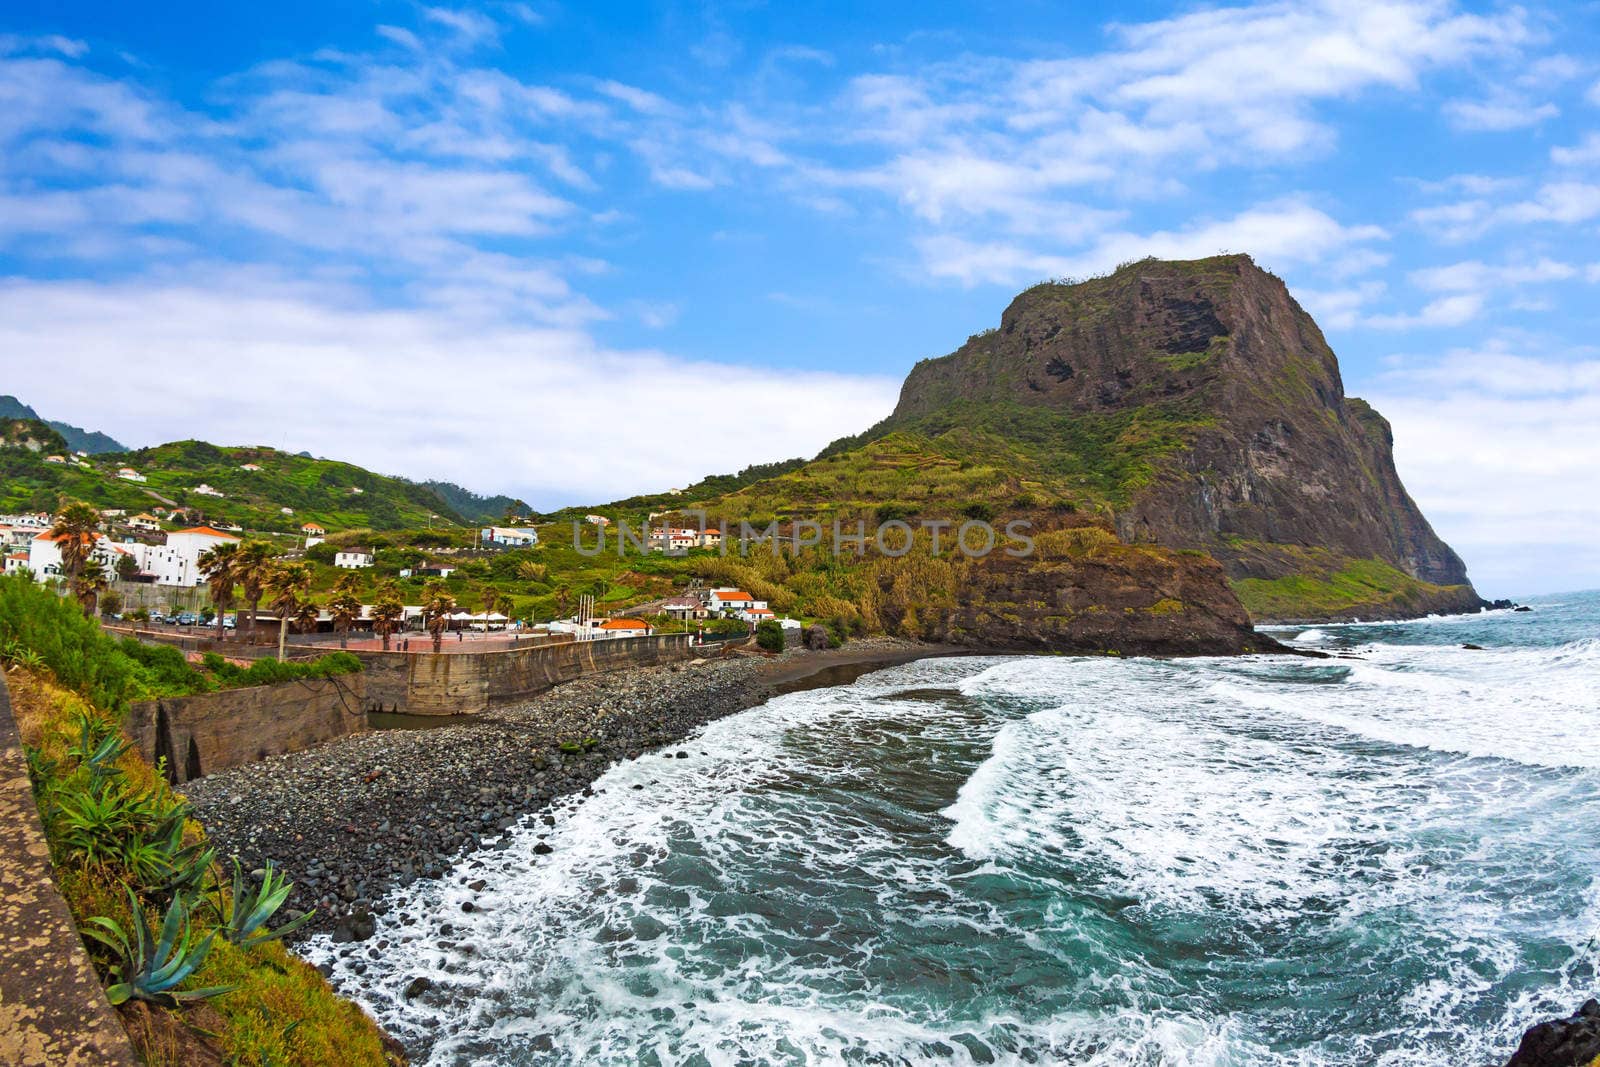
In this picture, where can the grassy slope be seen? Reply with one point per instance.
(1339, 588)
(318, 490)
(283, 1011)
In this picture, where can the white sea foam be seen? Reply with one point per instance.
(1225, 863)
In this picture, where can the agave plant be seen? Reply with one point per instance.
(95, 823)
(98, 748)
(161, 862)
(150, 968)
(244, 920)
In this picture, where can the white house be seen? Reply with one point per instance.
(674, 538)
(249, 466)
(178, 561)
(128, 474)
(55, 459)
(757, 614)
(16, 561)
(352, 560)
(597, 520)
(205, 490)
(44, 555)
(509, 536)
(311, 529)
(732, 601)
(146, 522)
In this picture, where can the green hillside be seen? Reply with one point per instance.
(75, 437)
(333, 494)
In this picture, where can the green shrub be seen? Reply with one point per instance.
(50, 631)
(271, 672)
(769, 635)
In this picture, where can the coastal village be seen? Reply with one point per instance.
(156, 570)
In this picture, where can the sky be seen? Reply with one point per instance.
(571, 252)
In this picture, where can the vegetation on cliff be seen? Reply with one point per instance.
(327, 492)
(186, 949)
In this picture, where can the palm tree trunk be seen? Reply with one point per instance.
(222, 616)
(344, 638)
(386, 640)
(438, 640)
(283, 635)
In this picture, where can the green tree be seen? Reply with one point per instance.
(219, 566)
(127, 568)
(288, 586)
(255, 565)
(76, 531)
(345, 607)
(387, 613)
(92, 581)
(437, 605)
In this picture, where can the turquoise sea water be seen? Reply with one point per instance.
(1388, 857)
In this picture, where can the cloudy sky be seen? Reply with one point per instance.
(571, 251)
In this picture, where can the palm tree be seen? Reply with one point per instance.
(91, 583)
(345, 607)
(387, 613)
(255, 564)
(563, 597)
(287, 585)
(306, 617)
(436, 609)
(76, 531)
(219, 565)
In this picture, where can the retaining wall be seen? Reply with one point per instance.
(211, 731)
(464, 683)
(53, 1010)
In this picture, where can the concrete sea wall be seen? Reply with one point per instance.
(464, 683)
(210, 731)
(53, 1011)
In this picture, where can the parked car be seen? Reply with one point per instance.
(230, 622)
(187, 618)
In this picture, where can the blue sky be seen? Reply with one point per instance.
(533, 247)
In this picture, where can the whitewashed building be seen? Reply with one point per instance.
(352, 560)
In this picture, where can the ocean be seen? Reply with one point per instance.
(1385, 857)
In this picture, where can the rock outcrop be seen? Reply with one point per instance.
(1205, 407)
(1570, 1042)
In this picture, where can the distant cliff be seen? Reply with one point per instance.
(76, 438)
(1202, 408)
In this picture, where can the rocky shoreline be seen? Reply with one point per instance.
(351, 819)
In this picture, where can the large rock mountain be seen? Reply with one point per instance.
(1200, 406)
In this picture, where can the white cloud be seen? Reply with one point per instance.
(525, 410)
(1289, 230)
(1339, 309)
(472, 27)
(1498, 114)
(1585, 153)
(1563, 202)
(1476, 276)
(1446, 311)
(1498, 448)
(1593, 95)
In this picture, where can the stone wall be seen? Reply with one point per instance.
(464, 683)
(209, 731)
(53, 1010)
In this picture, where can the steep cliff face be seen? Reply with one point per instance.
(1201, 405)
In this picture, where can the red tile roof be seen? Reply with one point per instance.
(624, 624)
(209, 531)
(729, 595)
